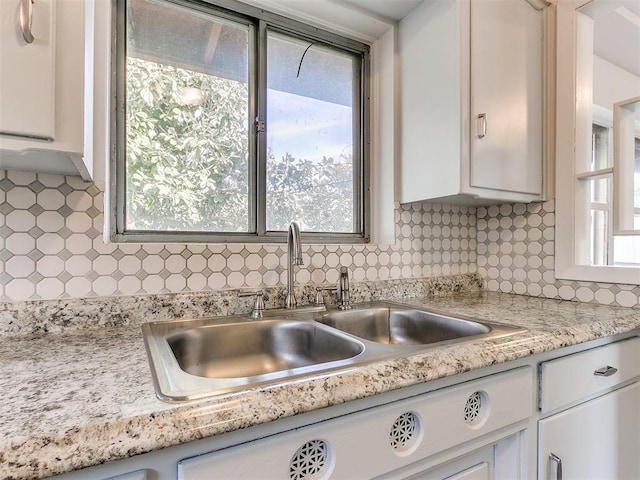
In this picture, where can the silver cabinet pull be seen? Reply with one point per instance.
(481, 125)
(558, 461)
(605, 371)
(26, 20)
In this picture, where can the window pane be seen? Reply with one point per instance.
(636, 177)
(600, 148)
(600, 190)
(310, 131)
(599, 237)
(627, 251)
(187, 155)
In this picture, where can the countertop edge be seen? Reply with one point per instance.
(111, 440)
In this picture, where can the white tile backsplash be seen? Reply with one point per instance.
(52, 248)
(516, 255)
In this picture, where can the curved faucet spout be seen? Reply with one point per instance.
(294, 244)
(294, 257)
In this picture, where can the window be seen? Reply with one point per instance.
(591, 81)
(232, 124)
(605, 247)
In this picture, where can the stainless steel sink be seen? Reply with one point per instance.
(251, 349)
(401, 325)
(191, 359)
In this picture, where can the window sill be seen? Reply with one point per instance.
(599, 274)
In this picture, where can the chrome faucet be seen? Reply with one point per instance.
(294, 257)
(257, 312)
(344, 298)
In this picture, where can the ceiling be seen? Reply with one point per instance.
(391, 10)
(364, 20)
(617, 32)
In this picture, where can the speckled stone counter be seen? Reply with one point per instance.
(85, 396)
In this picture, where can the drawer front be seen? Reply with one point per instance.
(569, 379)
(379, 440)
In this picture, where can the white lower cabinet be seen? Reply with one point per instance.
(478, 472)
(475, 466)
(137, 475)
(504, 459)
(600, 437)
(588, 421)
(397, 440)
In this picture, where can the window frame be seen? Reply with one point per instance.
(572, 192)
(260, 20)
(606, 173)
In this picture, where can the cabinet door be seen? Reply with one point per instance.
(597, 439)
(137, 475)
(502, 460)
(27, 84)
(479, 472)
(506, 96)
(475, 466)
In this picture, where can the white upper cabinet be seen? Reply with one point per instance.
(42, 88)
(27, 80)
(471, 96)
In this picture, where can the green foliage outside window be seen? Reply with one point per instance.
(187, 160)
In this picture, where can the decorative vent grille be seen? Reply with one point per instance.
(311, 461)
(475, 408)
(405, 432)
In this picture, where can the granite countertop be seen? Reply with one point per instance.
(82, 397)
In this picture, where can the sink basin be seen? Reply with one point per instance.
(192, 359)
(256, 348)
(403, 325)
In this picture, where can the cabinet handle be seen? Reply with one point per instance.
(558, 461)
(481, 125)
(605, 371)
(26, 20)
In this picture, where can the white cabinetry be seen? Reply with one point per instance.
(394, 441)
(27, 79)
(472, 101)
(42, 89)
(484, 428)
(599, 438)
(498, 461)
(137, 475)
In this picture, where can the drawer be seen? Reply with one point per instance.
(379, 440)
(569, 379)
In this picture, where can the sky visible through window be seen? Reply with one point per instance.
(307, 128)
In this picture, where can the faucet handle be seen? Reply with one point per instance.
(343, 290)
(318, 299)
(257, 293)
(258, 304)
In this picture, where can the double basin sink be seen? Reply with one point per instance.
(192, 359)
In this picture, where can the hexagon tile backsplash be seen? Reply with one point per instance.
(51, 247)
